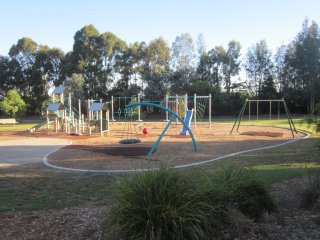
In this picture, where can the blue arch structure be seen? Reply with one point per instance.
(174, 115)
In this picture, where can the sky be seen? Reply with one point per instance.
(55, 22)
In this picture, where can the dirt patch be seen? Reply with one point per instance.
(73, 223)
(174, 149)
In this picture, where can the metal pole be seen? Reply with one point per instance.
(177, 107)
(249, 112)
(167, 106)
(270, 111)
(239, 117)
(185, 103)
(139, 108)
(257, 110)
(195, 110)
(289, 117)
(70, 114)
(112, 110)
(210, 110)
(160, 137)
(101, 133)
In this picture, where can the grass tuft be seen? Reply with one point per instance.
(159, 204)
(311, 194)
(239, 188)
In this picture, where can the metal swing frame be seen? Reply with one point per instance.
(249, 101)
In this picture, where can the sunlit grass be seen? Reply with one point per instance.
(16, 127)
(278, 172)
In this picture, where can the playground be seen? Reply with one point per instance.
(62, 161)
(176, 150)
(69, 195)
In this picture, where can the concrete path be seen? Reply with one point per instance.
(28, 150)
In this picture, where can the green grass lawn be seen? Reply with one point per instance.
(24, 188)
(16, 127)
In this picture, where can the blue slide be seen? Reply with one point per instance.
(187, 121)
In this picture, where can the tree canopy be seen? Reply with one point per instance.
(102, 64)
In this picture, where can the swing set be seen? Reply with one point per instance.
(248, 103)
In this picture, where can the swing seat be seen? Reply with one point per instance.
(130, 141)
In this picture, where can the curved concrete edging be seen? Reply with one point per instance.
(117, 171)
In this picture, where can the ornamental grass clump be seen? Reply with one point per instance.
(238, 188)
(311, 193)
(160, 204)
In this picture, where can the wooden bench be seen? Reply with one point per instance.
(8, 121)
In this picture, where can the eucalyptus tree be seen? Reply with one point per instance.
(22, 58)
(231, 63)
(5, 84)
(183, 61)
(299, 63)
(280, 66)
(129, 65)
(258, 65)
(46, 71)
(201, 45)
(86, 58)
(210, 67)
(74, 84)
(156, 72)
(307, 53)
(110, 48)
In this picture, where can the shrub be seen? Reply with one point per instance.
(311, 194)
(13, 105)
(238, 188)
(159, 204)
(165, 204)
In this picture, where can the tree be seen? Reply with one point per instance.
(183, 60)
(4, 76)
(130, 65)
(86, 58)
(110, 48)
(258, 65)
(210, 67)
(156, 71)
(231, 63)
(201, 45)
(268, 89)
(46, 71)
(13, 105)
(74, 84)
(22, 59)
(300, 69)
(307, 51)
